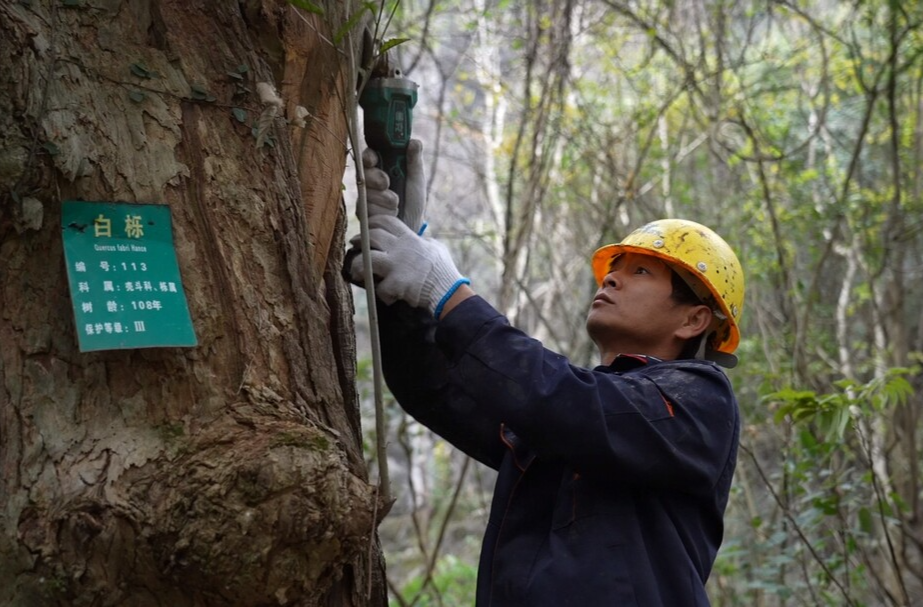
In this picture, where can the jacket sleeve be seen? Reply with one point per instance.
(417, 373)
(668, 425)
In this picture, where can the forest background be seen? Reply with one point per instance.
(795, 130)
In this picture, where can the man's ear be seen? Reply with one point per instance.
(696, 321)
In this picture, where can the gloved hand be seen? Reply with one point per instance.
(408, 267)
(382, 201)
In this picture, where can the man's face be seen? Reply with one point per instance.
(633, 312)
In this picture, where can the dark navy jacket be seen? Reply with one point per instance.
(612, 481)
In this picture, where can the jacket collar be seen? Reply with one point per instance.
(627, 362)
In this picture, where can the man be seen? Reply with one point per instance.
(612, 481)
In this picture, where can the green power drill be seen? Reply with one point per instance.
(387, 104)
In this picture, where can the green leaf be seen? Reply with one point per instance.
(235, 75)
(779, 416)
(240, 115)
(51, 148)
(242, 68)
(807, 439)
(865, 520)
(137, 96)
(842, 418)
(391, 43)
(308, 6)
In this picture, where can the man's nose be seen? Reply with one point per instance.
(610, 280)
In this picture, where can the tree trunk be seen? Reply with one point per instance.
(230, 473)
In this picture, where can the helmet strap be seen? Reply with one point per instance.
(703, 346)
(728, 361)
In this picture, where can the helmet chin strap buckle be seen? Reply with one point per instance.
(728, 361)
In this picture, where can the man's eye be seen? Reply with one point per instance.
(641, 270)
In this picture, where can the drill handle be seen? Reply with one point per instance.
(387, 105)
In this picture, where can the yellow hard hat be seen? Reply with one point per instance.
(702, 258)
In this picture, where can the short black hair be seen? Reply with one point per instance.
(682, 292)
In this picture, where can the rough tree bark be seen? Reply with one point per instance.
(230, 473)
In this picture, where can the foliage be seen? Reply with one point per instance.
(452, 584)
(834, 508)
(830, 413)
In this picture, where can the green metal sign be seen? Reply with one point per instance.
(124, 279)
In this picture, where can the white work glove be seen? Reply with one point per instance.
(408, 267)
(382, 201)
